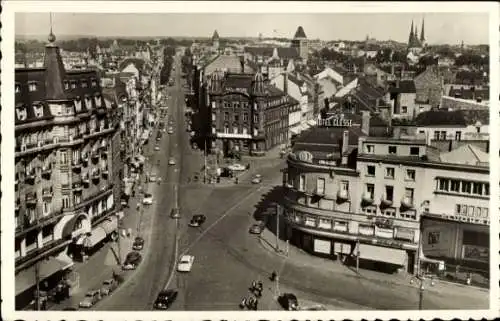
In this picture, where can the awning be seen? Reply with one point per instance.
(98, 234)
(382, 254)
(311, 122)
(69, 227)
(110, 225)
(26, 278)
(295, 131)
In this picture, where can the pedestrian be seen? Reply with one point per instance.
(255, 305)
(236, 180)
(273, 276)
(254, 285)
(243, 303)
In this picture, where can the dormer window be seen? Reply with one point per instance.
(84, 84)
(78, 104)
(21, 113)
(38, 110)
(32, 86)
(73, 84)
(66, 85)
(93, 82)
(18, 88)
(98, 101)
(88, 102)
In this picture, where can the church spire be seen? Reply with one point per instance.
(422, 33)
(410, 39)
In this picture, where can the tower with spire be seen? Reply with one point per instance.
(215, 41)
(300, 43)
(422, 35)
(415, 43)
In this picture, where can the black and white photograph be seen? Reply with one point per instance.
(188, 161)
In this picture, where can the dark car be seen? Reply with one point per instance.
(138, 243)
(257, 228)
(132, 260)
(289, 301)
(197, 220)
(158, 137)
(165, 299)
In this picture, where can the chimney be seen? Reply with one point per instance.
(365, 122)
(344, 147)
(242, 64)
(285, 83)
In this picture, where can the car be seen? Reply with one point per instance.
(132, 260)
(289, 301)
(197, 220)
(148, 199)
(152, 178)
(236, 167)
(157, 148)
(175, 213)
(158, 137)
(170, 131)
(91, 298)
(108, 286)
(171, 161)
(185, 263)
(256, 180)
(165, 299)
(138, 243)
(257, 228)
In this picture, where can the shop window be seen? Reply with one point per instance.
(433, 238)
(414, 151)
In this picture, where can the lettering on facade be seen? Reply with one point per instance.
(334, 121)
(240, 90)
(305, 156)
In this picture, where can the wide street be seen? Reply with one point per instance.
(228, 257)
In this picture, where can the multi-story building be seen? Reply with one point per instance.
(65, 170)
(351, 194)
(246, 113)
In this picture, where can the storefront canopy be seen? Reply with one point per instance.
(98, 234)
(382, 254)
(26, 278)
(110, 225)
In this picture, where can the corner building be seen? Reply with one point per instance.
(66, 136)
(349, 194)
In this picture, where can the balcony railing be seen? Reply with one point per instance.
(342, 195)
(46, 170)
(85, 179)
(47, 192)
(31, 199)
(76, 165)
(407, 203)
(77, 187)
(367, 198)
(30, 176)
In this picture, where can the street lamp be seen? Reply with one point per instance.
(420, 280)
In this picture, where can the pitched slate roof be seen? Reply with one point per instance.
(215, 35)
(440, 118)
(460, 92)
(137, 62)
(405, 87)
(283, 52)
(321, 141)
(466, 155)
(300, 33)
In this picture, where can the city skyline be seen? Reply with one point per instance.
(440, 28)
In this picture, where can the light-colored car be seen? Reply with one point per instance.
(171, 161)
(148, 199)
(185, 263)
(257, 228)
(170, 130)
(157, 147)
(175, 213)
(90, 299)
(108, 286)
(152, 178)
(256, 180)
(236, 167)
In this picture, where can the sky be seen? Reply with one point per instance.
(440, 28)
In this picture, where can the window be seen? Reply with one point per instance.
(389, 172)
(18, 88)
(226, 129)
(320, 186)
(389, 212)
(46, 208)
(256, 118)
(245, 132)
(442, 135)
(66, 85)
(410, 174)
(389, 193)
(77, 199)
(73, 84)
(214, 116)
(409, 192)
(63, 157)
(236, 118)
(302, 183)
(414, 151)
(370, 149)
(436, 135)
(94, 83)
(393, 150)
(65, 202)
(487, 189)
(466, 187)
(32, 86)
(370, 190)
(370, 170)
(477, 188)
(344, 186)
(454, 186)
(433, 238)
(245, 117)
(235, 130)
(443, 184)
(404, 110)
(458, 135)
(85, 84)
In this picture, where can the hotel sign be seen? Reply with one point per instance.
(334, 121)
(239, 90)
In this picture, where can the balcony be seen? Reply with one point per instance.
(46, 171)
(85, 179)
(103, 145)
(342, 196)
(384, 202)
(95, 175)
(30, 177)
(47, 193)
(104, 153)
(77, 187)
(85, 159)
(76, 165)
(407, 203)
(94, 156)
(367, 199)
(105, 172)
(31, 199)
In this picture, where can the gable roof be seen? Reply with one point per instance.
(405, 87)
(300, 33)
(467, 155)
(137, 62)
(440, 118)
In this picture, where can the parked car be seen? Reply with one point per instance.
(257, 179)
(171, 161)
(158, 137)
(132, 260)
(157, 147)
(148, 199)
(237, 167)
(175, 213)
(165, 299)
(90, 299)
(185, 263)
(170, 131)
(108, 286)
(289, 301)
(197, 220)
(152, 178)
(138, 243)
(257, 228)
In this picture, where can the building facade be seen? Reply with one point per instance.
(246, 114)
(66, 136)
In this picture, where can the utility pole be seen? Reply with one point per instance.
(37, 280)
(421, 295)
(205, 162)
(357, 256)
(277, 227)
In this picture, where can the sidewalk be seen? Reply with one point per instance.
(298, 257)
